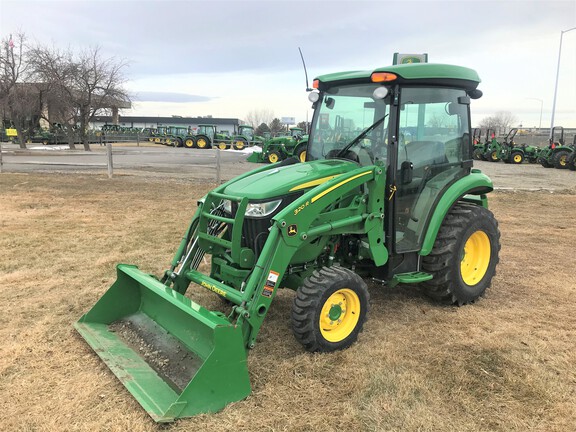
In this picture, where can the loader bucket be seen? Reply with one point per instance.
(177, 358)
(256, 157)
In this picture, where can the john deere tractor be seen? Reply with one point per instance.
(557, 153)
(207, 136)
(483, 150)
(245, 137)
(374, 206)
(512, 153)
(282, 147)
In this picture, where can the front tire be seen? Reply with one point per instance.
(464, 257)
(330, 309)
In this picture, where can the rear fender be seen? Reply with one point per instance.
(475, 184)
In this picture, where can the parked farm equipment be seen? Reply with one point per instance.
(207, 136)
(374, 206)
(556, 154)
(516, 154)
(487, 149)
(280, 148)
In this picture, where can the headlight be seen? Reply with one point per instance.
(227, 206)
(255, 210)
(262, 209)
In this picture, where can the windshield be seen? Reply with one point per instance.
(350, 114)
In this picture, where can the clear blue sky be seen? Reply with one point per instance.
(225, 58)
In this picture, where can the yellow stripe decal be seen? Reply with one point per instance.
(336, 186)
(312, 183)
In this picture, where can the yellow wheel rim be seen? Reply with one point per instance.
(273, 158)
(476, 258)
(157, 140)
(222, 146)
(563, 160)
(168, 141)
(303, 156)
(517, 158)
(189, 143)
(339, 315)
(201, 143)
(239, 145)
(494, 156)
(151, 139)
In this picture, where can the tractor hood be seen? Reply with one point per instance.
(284, 180)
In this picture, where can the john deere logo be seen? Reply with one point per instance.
(292, 230)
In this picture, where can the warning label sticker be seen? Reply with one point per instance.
(270, 284)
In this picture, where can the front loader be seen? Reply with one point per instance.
(395, 200)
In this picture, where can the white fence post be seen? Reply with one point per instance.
(109, 154)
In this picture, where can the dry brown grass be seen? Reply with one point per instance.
(503, 364)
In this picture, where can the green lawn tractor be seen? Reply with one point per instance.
(280, 148)
(373, 207)
(557, 153)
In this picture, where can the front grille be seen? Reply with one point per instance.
(255, 230)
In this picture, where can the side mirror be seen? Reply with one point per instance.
(330, 103)
(406, 172)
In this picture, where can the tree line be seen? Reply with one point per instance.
(76, 86)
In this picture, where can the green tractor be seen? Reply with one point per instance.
(245, 137)
(282, 147)
(177, 135)
(516, 154)
(556, 154)
(373, 207)
(482, 150)
(207, 136)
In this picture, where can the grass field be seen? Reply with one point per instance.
(506, 363)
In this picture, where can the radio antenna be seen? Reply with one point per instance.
(305, 71)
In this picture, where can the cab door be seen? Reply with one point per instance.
(433, 143)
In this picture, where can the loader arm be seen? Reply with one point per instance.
(296, 226)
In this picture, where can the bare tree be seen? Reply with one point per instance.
(258, 116)
(79, 87)
(500, 122)
(14, 97)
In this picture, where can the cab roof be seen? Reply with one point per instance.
(414, 73)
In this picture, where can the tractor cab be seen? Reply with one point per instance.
(207, 130)
(418, 132)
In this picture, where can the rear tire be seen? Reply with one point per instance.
(560, 159)
(330, 309)
(300, 152)
(202, 142)
(464, 257)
